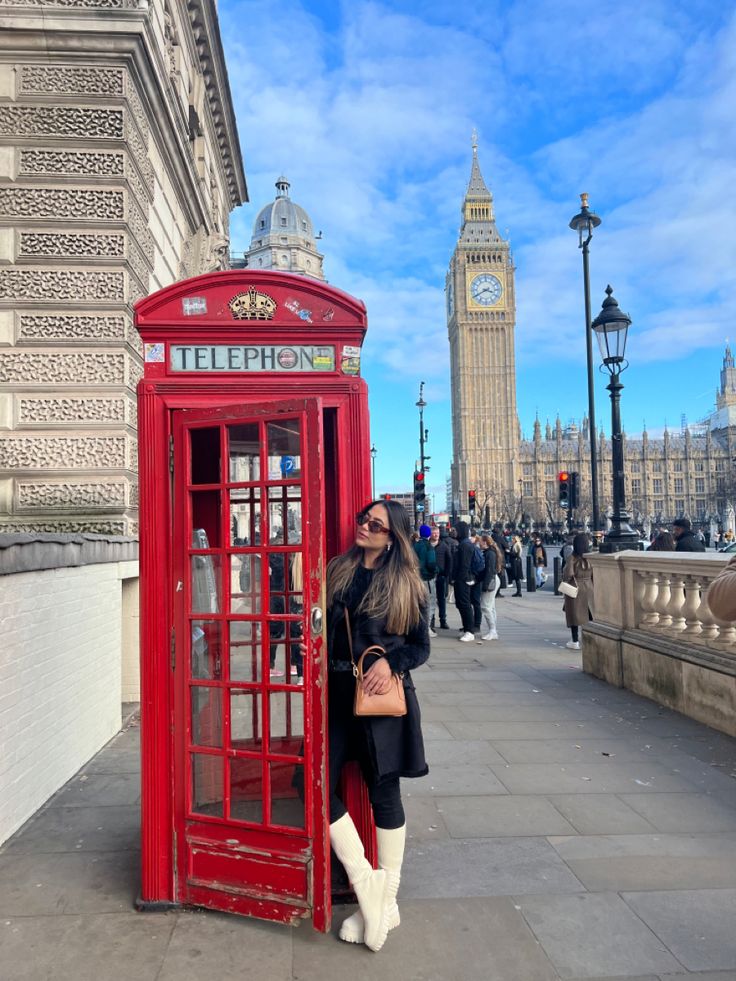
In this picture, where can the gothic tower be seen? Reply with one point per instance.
(481, 313)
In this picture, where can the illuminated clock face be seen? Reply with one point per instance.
(450, 298)
(486, 290)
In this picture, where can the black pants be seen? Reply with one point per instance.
(348, 741)
(441, 592)
(475, 591)
(464, 606)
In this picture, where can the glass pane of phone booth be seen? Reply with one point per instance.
(246, 692)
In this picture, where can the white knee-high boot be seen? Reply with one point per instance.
(391, 843)
(369, 884)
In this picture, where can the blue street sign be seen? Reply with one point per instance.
(287, 464)
(420, 507)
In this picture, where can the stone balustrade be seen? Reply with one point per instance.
(653, 632)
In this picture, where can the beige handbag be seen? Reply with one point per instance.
(567, 589)
(392, 702)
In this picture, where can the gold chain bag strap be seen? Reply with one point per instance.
(392, 702)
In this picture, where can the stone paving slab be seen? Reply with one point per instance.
(494, 817)
(216, 947)
(461, 751)
(94, 947)
(69, 829)
(71, 882)
(609, 777)
(639, 873)
(572, 751)
(595, 934)
(683, 812)
(526, 730)
(446, 781)
(600, 814)
(103, 789)
(697, 925)
(487, 867)
(459, 940)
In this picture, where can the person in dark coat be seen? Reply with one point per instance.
(505, 549)
(578, 572)
(463, 580)
(375, 596)
(443, 554)
(682, 532)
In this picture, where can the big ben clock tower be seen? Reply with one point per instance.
(481, 314)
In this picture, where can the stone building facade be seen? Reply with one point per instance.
(690, 472)
(119, 166)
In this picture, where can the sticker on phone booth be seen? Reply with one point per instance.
(324, 359)
(193, 306)
(350, 360)
(154, 353)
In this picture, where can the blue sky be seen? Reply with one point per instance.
(368, 108)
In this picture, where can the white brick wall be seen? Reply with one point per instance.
(60, 679)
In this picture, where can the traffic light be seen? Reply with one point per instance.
(563, 489)
(574, 489)
(419, 493)
(471, 501)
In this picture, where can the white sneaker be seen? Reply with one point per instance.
(467, 637)
(574, 645)
(491, 636)
(432, 633)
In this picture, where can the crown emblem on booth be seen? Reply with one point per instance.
(252, 305)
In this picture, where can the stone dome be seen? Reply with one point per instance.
(282, 217)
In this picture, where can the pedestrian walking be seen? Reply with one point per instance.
(443, 557)
(539, 560)
(427, 569)
(578, 574)
(375, 596)
(494, 562)
(463, 579)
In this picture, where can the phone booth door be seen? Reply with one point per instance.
(250, 714)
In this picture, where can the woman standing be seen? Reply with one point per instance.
(516, 570)
(578, 572)
(375, 592)
(494, 563)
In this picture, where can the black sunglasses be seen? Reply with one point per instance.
(374, 526)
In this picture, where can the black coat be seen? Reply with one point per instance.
(463, 558)
(443, 553)
(687, 542)
(396, 745)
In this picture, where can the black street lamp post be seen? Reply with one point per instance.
(374, 451)
(583, 223)
(423, 433)
(611, 328)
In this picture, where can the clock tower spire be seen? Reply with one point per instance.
(481, 314)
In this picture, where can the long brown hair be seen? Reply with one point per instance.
(396, 593)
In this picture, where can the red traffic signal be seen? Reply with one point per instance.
(419, 476)
(563, 488)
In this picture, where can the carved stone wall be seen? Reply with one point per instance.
(87, 140)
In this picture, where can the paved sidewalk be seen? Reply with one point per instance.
(566, 830)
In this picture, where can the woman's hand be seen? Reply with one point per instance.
(377, 680)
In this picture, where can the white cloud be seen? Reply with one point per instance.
(368, 110)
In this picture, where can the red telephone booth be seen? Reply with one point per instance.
(254, 458)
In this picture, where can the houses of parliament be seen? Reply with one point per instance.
(688, 472)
